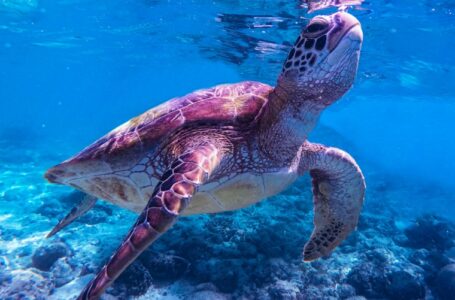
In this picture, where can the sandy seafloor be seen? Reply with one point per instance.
(254, 253)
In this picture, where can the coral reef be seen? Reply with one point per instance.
(253, 253)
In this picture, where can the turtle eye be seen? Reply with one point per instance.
(316, 27)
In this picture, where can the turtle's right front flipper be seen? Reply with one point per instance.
(84, 206)
(171, 196)
(338, 194)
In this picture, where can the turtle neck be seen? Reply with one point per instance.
(286, 123)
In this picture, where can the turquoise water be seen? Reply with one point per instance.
(72, 70)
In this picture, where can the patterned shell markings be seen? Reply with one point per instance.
(228, 104)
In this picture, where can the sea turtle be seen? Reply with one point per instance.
(228, 147)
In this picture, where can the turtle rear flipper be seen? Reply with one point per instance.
(84, 206)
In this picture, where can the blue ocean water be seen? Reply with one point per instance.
(71, 70)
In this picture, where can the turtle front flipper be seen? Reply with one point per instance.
(170, 197)
(84, 206)
(338, 193)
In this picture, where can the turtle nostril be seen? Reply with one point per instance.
(338, 19)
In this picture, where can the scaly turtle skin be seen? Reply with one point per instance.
(228, 147)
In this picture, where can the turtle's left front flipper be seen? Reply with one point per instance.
(170, 197)
(338, 193)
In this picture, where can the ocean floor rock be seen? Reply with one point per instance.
(445, 282)
(134, 281)
(62, 272)
(283, 290)
(431, 232)
(207, 295)
(223, 273)
(45, 256)
(403, 285)
(430, 261)
(368, 280)
(70, 290)
(26, 284)
(383, 273)
(165, 267)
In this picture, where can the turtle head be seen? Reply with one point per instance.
(321, 66)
